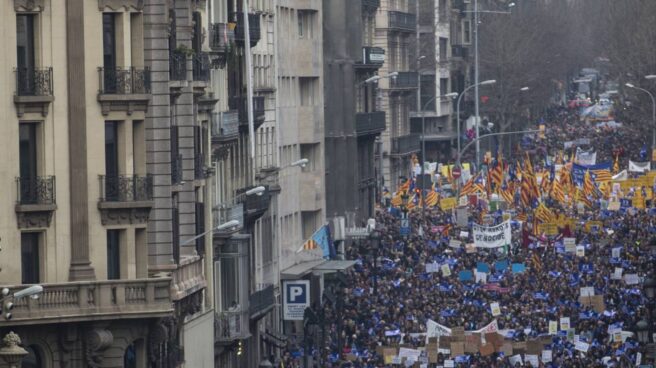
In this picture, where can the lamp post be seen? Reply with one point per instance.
(374, 242)
(653, 109)
(483, 83)
(7, 298)
(423, 144)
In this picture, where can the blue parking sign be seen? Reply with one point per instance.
(296, 297)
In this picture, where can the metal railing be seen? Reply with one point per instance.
(177, 66)
(124, 81)
(261, 300)
(253, 26)
(33, 81)
(239, 103)
(201, 67)
(405, 144)
(126, 188)
(36, 190)
(221, 37)
(199, 166)
(405, 80)
(374, 4)
(369, 122)
(225, 125)
(229, 326)
(402, 21)
(176, 169)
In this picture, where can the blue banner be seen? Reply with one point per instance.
(578, 171)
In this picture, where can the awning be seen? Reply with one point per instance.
(322, 266)
(297, 271)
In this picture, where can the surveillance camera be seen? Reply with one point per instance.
(5, 292)
(8, 316)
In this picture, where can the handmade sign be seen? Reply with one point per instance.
(493, 236)
(564, 323)
(495, 309)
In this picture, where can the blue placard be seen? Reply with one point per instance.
(482, 267)
(518, 267)
(404, 231)
(466, 275)
(501, 265)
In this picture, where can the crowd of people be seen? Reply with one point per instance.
(390, 296)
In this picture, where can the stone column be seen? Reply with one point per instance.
(80, 268)
(11, 353)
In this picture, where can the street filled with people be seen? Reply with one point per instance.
(542, 260)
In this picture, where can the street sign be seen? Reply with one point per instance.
(456, 173)
(296, 297)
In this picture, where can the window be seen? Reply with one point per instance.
(34, 358)
(443, 15)
(310, 151)
(175, 229)
(196, 40)
(308, 90)
(25, 41)
(113, 254)
(444, 86)
(109, 50)
(28, 150)
(443, 49)
(305, 19)
(466, 31)
(301, 24)
(30, 260)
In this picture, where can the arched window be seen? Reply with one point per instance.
(34, 358)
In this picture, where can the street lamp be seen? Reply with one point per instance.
(524, 89)
(230, 225)
(653, 110)
(374, 239)
(483, 83)
(7, 304)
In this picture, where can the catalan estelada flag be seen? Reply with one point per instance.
(602, 176)
(320, 239)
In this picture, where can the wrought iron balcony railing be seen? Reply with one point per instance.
(124, 81)
(126, 188)
(201, 67)
(369, 122)
(240, 104)
(36, 190)
(225, 126)
(406, 144)
(176, 169)
(221, 37)
(177, 66)
(253, 27)
(402, 21)
(33, 81)
(261, 301)
(405, 80)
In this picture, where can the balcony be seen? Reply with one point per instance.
(124, 89)
(253, 27)
(254, 205)
(221, 37)
(177, 66)
(240, 104)
(188, 278)
(261, 301)
(402, 22)
(370, 5)
(231, 326)
(405, 81)
(369, 123)
(34, 91)
(125, 199)
(405, 145)
(224, 213)
(201, 67)
(94, 300)
(36, 201)
(225, 126)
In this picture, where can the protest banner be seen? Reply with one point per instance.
(515, 359)
(491, 327)
(570, 245)
(582, 346)
(457, 348)
(409, 353)
(533, 359)
(453, 243)
(487, 349)
(631, 279)
(617, 275)
(506, 348)
(432, 267)
(587, 291)
(493, 236)
(446, 270)
(434, 329)
(546, 356)
(564, 323)
(448, 203)
(548, 228)
(580, 251)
